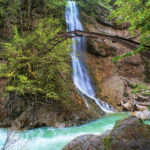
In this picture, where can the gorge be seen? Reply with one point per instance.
(63, 78)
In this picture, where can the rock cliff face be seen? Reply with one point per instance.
(128, 134)
(114, 81)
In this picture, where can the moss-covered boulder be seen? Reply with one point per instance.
(128, 134)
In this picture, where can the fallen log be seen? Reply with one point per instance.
(129, 43)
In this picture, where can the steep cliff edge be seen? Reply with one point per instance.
(114, 81)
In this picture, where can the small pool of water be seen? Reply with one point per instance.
(147, 122)
(48, 138)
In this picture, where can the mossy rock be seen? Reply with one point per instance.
(127, 134)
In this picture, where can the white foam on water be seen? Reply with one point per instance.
(55, 139)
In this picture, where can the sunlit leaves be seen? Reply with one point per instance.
(141, 48)
(141, 88)
(137, 13)
(32, 67)
(89, 6)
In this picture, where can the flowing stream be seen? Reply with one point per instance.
(48, 138)
(81, 78)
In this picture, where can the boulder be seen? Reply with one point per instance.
(141, 108)
(144, 115)
(134, 106)
(128, 134)
(129, 106)
(87, 142)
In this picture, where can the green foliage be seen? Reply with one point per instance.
(26, 13)
(35, 63)
(141, 48)
(106, 4)
(137, 13)
(88, 6)
(56, 7)
(8, 8)
(141, 88)
(91, 6)
(107, 143)
(2, 10)
(125, 94)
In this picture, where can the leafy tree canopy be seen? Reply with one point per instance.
(35, 62)
(137, 13)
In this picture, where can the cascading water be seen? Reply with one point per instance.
(81, 78)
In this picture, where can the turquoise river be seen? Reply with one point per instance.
(48, 138)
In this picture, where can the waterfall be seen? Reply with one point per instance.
(81, 78)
